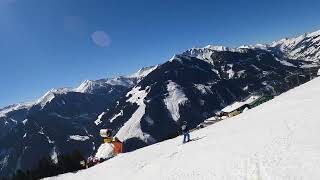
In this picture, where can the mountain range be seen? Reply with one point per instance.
(149, 105)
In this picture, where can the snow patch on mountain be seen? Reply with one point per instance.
(175, 98)
(25, 121)
(49, 140)
(230, 71)
(54, 155)
(79, 138)
(313, 65)
(99, 121)
(203, 89)
(14, 121)
(132, 128)
(116, 116)
(4, 162)
(284, 62)
(59, 115)
(41, 131)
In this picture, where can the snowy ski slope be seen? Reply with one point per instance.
(277, 140)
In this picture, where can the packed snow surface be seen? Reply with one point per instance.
(277, 140)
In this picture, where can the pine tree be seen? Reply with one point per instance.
(19, 175)
(46, 168)
(76, 157)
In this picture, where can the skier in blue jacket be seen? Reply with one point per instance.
(185, 131)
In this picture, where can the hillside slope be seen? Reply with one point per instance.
(277, 140)
(192, 87)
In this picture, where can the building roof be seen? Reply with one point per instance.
(236, 105)
(252, 99)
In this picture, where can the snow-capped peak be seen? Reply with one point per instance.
(89, 86)
(217, 48)
(315, 33)
(49, 96)
(14, 107)
(209, 48)
(256, 46)
(206, 52)
(143, 72)
(303, 47)
(85, 86)
(121, 81)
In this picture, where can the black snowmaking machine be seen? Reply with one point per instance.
(108, 138)
(107, 135)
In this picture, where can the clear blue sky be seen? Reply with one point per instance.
(47, 44)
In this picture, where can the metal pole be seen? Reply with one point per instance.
(310, 74)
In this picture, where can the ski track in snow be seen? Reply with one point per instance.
(276, 141)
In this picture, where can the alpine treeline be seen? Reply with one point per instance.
(46, 167)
